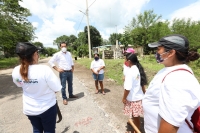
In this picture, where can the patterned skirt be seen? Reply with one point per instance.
(133, 108)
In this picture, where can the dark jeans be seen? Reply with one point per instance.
(66, 76)
(45, 122)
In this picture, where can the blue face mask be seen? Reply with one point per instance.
(159, 59)
(96, 58)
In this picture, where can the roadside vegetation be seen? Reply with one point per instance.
(114, 67)
(11, 62)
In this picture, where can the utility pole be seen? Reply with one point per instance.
(88, 28)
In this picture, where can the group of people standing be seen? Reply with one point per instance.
(40, 84)
(170, 99)
(173, 94)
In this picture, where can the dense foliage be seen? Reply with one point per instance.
(14, 26)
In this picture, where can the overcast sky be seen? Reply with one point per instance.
(54, 18)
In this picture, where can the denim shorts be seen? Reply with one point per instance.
(98, 77)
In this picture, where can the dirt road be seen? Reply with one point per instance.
(90, 113)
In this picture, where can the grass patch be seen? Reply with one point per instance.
(8, 62)
(114, 67)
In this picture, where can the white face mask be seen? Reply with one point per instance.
(63, 49)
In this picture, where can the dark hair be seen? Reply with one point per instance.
(185, 57)
(96, 54)
(134, 60)
(62, 43)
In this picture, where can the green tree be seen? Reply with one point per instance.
(95, 36)
(188, 28)
(38, 44)
(139, 28)
(105, 41)
(14, 26)
(113, 37)
(61, 39)
(50, 51)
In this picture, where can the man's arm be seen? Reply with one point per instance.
(58, 69)
(51, 62)
(73, 68)
(72, 63)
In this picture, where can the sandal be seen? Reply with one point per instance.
(103, 92)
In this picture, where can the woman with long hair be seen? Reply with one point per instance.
(39, 85)
(133, 94)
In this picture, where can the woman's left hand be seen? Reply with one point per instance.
(124, 100)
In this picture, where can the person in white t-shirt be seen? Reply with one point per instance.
(133, 94)
(125, 65)
(174, 93)
(97, 67)
(39, 85)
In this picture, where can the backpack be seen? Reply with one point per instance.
(195, 118)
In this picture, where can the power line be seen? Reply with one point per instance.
(79, 25)
(74, 4)
(92, 3)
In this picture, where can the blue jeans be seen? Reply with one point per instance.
(45, 122)
(66, 76)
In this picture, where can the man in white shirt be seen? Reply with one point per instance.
(65, 68)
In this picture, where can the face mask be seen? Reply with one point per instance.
(126, 63)
(159, 59)
(96, 58)
(63, 49)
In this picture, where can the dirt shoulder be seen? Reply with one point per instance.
(111, 103)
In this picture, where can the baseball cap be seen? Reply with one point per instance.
(175, 41)
(130, 50)
(25, 48)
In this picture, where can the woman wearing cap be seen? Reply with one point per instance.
(39, 85)
(133, 94)
(97, 67)
(174, 93)
(125, 65)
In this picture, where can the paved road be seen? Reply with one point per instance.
(82, 115)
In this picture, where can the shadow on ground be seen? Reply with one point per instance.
(130, 128)
(80, 95)
(8, 88)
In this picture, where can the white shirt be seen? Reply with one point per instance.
(64, 60)
(39, 91)
(95, 65)
(174, 100)
(132, 83)
(125, 69)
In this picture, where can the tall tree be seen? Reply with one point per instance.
(139, 28)
(14, 26)
(188, 28)
(39, 44)
(60, 39)
(115, 36)
(95, 36)
(72, 39)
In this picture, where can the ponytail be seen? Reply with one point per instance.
(133, 58)
(25, 62)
